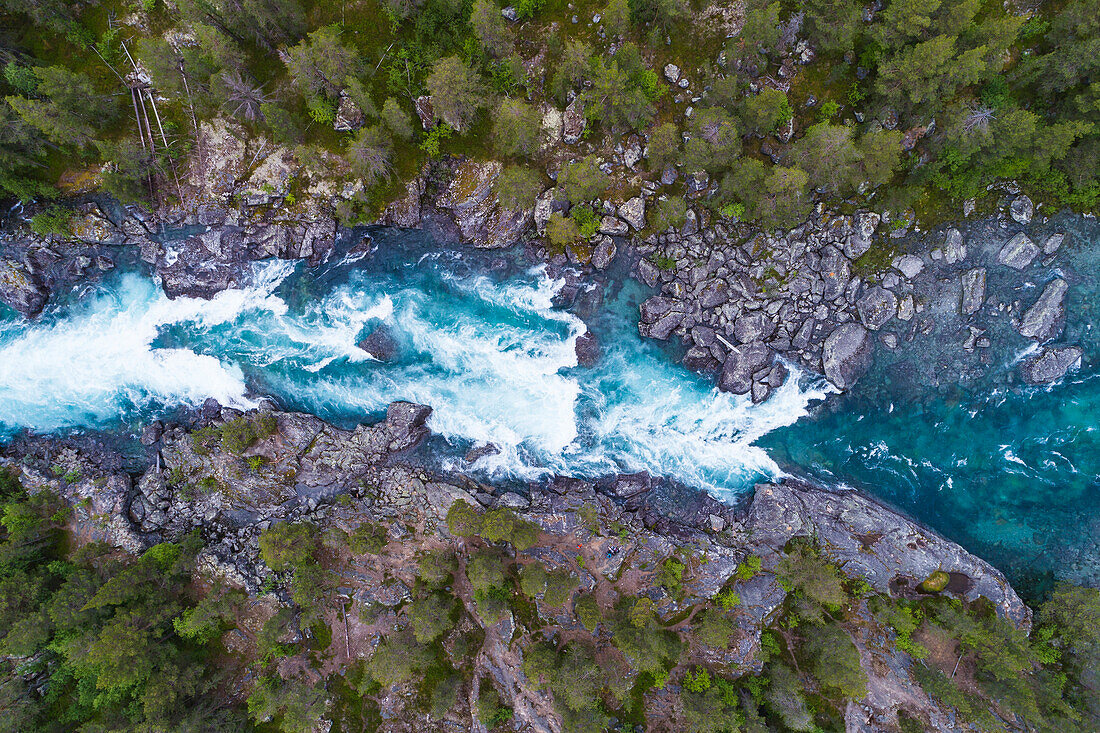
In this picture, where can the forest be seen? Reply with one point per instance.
(918, 105)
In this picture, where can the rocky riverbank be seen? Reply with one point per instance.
(614, 535)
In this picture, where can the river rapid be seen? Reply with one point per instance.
(1008, 471)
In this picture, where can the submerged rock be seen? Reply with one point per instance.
(1021, 209)
(973, 291)
(847, 354)
(1050, 365)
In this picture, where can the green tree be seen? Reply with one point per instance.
(583, 180)
(398, 658)
(669, 213)
(517, 128)
(833, 24)
(457, 92)
(488, 25)
(715, 141)
(397, 119)
(463, 520)
(714, 629)
(369, 538)
(785, 699)
(928, 72)
(561, 230)
(574, 67)
(431, 616)
(370, 154)
(829, 155)
(763, 113)
(835, 662)
(321, 64)
(663, 147)
(68, 110)
(616, 17)
(287, 545)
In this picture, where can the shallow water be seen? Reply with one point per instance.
(1009, 471)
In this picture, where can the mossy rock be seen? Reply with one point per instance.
(935, 583)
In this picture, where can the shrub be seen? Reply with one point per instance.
(586, 220)
(396, 119)
(457, 92)
(749, 568)
(398, 658)
(835, 662)
(463, 520)
(669, 213)
(369, 538)
(517, 187)
(561, 231)
(436, 567)
(713, 629)
(53, 220)
(286, 546)
(370, 154)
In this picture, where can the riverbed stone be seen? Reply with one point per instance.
(847, 354)
(1018, 252)
(877, 307)
(1021, 209)
(1050, 365)
(973, 291)
(1045, 319)
(1053, 243)
(954, 248)
(909, 265)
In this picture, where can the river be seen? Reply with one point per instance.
(1010, 472)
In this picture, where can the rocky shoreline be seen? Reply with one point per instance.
(302, 469)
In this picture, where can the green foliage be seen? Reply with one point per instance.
(532, 579)
(435, 138)
(785, 700)
(561, 231)
(828, 110)
(935, 582)
(398, 658)
(53, 220)
(664, 146)
(669, 213)
(816, 582)
(431, 616)
(586, 220)
(463, 520)
(295, 704)
(369, 538)
(763, 113)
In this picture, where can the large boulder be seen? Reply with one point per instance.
(380, 344)
(741, 363)
(21, 289)
(847, 354)
(1050, 365)
(660, 317)
(482, 221)
(633, 212)
(1046, 317)
(877, 307)
(1018, 252)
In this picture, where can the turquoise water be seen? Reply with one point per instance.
(1009, 471)
(490, 353)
